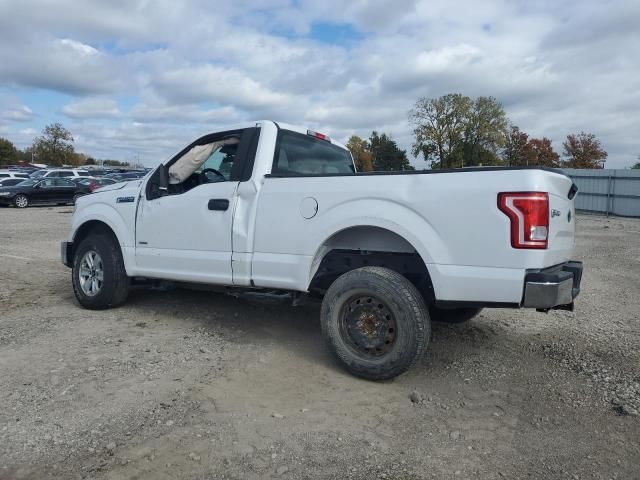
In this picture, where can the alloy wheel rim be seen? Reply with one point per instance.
(91, 273)
(21, 201)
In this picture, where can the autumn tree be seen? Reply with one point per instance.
(55, 146)
(386, 154)
(439, 128)
(8, 152)
(517, 150)
(583, 150)
(361, 152)
(542, 153)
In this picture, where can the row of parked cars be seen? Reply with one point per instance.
(22, 188)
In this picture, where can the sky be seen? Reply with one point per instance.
(142, 79)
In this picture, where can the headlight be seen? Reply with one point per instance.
(5, 194)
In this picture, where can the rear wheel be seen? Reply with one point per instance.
(454, 315)
(375, 322)
(99, 277)
(21, 201)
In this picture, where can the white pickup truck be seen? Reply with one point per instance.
(273, 207)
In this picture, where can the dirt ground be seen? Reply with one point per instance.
(198, 385)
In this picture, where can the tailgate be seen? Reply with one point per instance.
(561, 218)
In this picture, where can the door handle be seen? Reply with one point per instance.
(218, 204)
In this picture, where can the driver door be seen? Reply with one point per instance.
(187, 235)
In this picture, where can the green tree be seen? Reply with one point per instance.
(8, 152)
(386, 154)
(456, 131)
(485, 132)
(439, 128)
(584, 151)
(361, 153)
(55, 146)
(636, 166)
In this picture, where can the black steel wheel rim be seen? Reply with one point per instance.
(368, 326)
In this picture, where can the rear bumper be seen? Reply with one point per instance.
(554, 287)
(66, 249)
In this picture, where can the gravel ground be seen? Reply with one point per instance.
(193, 384)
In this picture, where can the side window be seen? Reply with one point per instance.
(298, 154)
(4, 175)
(61, 182)
(65, 174)
(221, 159)
(48, 182)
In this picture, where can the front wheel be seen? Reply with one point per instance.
(21, 201)
(99, 277)
(376, 322)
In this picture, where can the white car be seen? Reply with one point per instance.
(4, 174)
(268, 206)
(59, 173)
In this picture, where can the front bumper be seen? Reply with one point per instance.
(66, 250)
(554, 287)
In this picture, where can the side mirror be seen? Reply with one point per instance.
(38, 185)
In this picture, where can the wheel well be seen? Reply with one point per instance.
(93, 226)
(365, 246)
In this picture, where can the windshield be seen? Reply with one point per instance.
(298, 154)
(27, 183)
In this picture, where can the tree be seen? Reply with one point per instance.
(636, 166)
(455, 131)
(542, 153)
(90, 161)
(361, 152)
(386, 154)
(584, 151)
(55, 146)
(485, 132)
(517, 149)
(439, 128)
(8, 152)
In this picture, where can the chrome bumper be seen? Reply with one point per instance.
(554, 287)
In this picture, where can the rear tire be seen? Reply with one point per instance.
(21, 201)
(375, 322)
(454, 315)
(98, 275)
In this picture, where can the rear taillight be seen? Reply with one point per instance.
(92, 186)
(529, 216)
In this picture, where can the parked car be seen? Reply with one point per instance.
(125, 177)
(13, 174)
(88, 185)
(38, 191)
(59, 173)
(8, 182)
(273, 207)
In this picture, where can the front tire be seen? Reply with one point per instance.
(21, 201)
(375, 322)
(454, 315)
(99, 277)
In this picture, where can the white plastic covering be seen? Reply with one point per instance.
(193, 160)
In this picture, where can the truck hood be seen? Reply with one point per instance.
(115, 186)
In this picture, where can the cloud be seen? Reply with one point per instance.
(12, 110)
(92, 107)
(151, 76)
